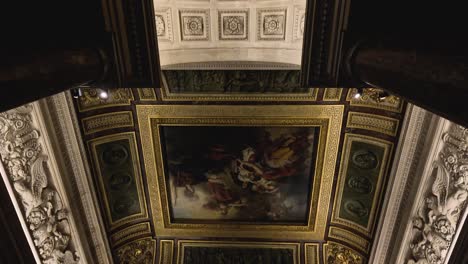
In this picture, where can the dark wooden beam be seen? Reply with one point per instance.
(433, 76)
(29, 76)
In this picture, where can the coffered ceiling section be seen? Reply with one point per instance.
(224, 30)
(197, 181)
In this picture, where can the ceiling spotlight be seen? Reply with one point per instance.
(103, 94)
(382, 96)
(76, 93)
(358, 94)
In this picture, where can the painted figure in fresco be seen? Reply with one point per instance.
(223, 197)
(184, 175)
(278, 159)
(282, 156)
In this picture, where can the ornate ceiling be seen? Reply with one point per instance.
(300, 183)
(158, 176)
(220, 31)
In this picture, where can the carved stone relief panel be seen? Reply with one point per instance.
(299, 20)
(26, 165)
(233, 24)
(438, 215)
(164, 24)
(271, 24)
(194, 24)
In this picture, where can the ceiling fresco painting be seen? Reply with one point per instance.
(186, 179)
(253, 174)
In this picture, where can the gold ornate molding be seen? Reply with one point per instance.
(332, 94)
(91, 100)
(166, 251)
(381, 124)
(328, 118)
(108, 121)
(334, 253)
(140, 251)
(311, 253)
(146, 94)
(130, 232)
(350, 238)
(392, 103)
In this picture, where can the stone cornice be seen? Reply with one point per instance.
(29, 165)
(441, 199)
(414, 134)
(59, 115)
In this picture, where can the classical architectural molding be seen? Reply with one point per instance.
(416, 131)
(59, 115)
(441, 199)
(30, 169)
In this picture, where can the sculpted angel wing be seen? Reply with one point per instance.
(38, 178)
(441, 184)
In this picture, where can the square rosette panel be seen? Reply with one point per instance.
(233, 24)
(194, 24)
(271, 24)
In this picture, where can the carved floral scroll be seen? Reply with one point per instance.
(438, 216)
(25, 162)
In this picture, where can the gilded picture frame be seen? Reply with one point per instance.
(327, 118)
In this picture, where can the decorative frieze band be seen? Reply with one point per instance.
(385, 125)
(108, 121)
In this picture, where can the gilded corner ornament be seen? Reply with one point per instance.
(91, 99)
(141, 251)
(339, 254)
(25, 163)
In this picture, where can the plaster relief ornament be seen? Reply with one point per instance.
(26, 165)
(273, 25)
(193, 25)
(337, 254)
(140, 251)
(233, 25)
(160, 25)
(438, 216)
(301, 24)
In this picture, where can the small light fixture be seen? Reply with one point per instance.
(382, 96)
(103, 94)
(76, 93)
(358, 94)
